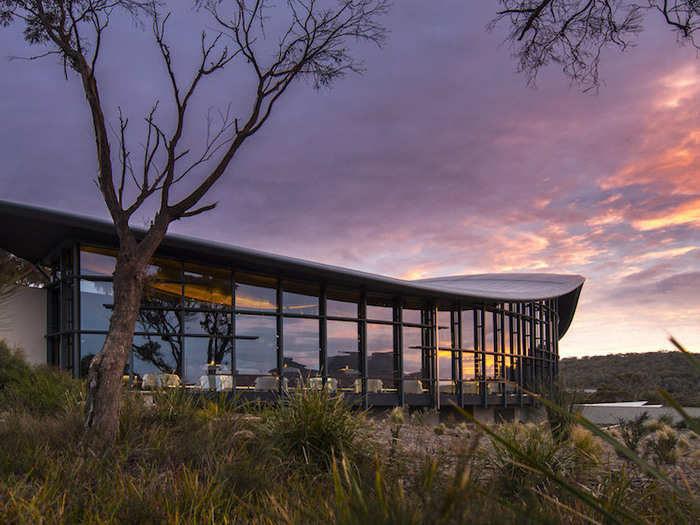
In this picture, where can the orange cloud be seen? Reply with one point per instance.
(660, 254)
(679, 85)
(686, 213)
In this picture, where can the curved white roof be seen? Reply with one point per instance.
(507, 286)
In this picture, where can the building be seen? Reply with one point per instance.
(237, 319)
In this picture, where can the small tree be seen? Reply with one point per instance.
(312, 44)
(573, 33)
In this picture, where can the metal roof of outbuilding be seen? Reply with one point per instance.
(32, 233)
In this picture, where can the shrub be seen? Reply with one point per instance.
(536, 446)
(34, 389)
(587, 448)
(312, 426)
(396, 422)
(560, 421)
(440, 429)
(662, 446)
(633, 431)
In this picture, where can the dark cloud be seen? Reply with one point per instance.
(437, 160)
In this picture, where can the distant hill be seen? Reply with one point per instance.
(633, 377)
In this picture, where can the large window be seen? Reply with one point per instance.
(341, 309)
(415, 372)
(202, 323)
(380, 357)
(448, 361)
(97, 261)
(301, 350)
(299, 299)
(90, 344)
(380, 313)
(343, 353)
(255, 293)
(469, 360)
(257, 354)
(152, 354)
(96, 303)
(206, 358)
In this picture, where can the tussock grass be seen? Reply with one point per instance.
(34, 389)
(312, 427)
(310, 459)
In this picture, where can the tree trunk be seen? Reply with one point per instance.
(104, 381)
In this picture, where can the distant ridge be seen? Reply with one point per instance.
(633, 377)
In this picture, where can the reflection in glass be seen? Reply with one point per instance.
(198, 273)
(380, 354)
(469, 367)
(250, 297)
(164, 269)
(343, 354)
(157, 354)
(97, 261)
(257, 357)
(446, 370)
(412, 353)
(96, 302)
(213, 323)
(301, 350)
(488, 332)
(411, 316)
(208, 293)
(447, 381)
(207, 356)
(294, 303)
(161, 295)
(90, 345)
(488, 346)
(341, 309)
(380, 313)
(470, 364)
(158, 321)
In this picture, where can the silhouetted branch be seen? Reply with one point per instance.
(573, 33)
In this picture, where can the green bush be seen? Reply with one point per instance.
(34, 389)
(662, 446)
(312, 426)
(535, 445)
(634, 430)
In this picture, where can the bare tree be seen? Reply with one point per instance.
(313, 44)
(573, 33)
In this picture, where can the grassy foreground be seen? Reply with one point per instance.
(315, 461)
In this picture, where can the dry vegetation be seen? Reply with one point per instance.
(313, 460)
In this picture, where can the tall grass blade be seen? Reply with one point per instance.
(693, 360)
(588, 499)
(693, 423)
(619, 447)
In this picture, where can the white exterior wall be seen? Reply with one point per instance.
(609, 415)
(23, 322)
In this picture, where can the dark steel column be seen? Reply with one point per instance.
(75, 250)
(398, 349)
(482, 348)
(280, 336)
(323, 334)
(234, 365)
(362, 344)
(460, 388)
(434, 355)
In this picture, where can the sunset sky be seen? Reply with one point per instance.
(439, 160)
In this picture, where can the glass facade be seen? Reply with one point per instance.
(225, 329)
